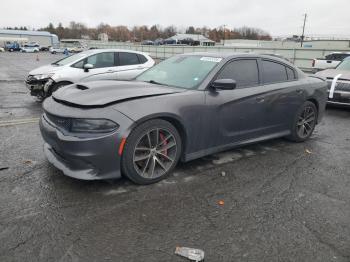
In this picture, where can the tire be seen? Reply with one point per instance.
(56, 86)
(304, 122)
(149, 163)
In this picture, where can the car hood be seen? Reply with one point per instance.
(102, 93)
(46, 69)
(331, 73)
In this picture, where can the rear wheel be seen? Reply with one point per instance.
(151, 152)
(304, 122)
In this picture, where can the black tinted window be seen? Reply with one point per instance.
(245, 72)
(329, 57)
(142, 59)
(290, 73)
(128, 59)
(273, 72)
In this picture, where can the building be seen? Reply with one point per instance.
(189, 39)
(103, 37)
(44, 39)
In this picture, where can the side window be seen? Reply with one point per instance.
(101, 60)
(79, 64)
(290, 73)
(329, 57)
(142, 59)
(128, 59)
(245, 72)
(273, 72)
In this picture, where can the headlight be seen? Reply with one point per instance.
(43, 76)
(92, 125)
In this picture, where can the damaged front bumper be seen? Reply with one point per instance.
(38, 87)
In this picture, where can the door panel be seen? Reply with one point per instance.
(237, 114)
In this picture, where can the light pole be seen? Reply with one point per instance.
(223, 42)
(302, 36)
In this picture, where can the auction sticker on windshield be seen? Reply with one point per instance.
(211, 59)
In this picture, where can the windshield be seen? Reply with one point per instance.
(180, 71)
(345, 65)
(69, 59)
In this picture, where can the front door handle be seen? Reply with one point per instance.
(260, 99)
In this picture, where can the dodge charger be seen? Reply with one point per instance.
(186, 107)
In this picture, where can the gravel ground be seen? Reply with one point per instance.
(282, 201)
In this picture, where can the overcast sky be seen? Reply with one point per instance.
(278, 17)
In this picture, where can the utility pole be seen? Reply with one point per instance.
(223, 42)
(303, 36)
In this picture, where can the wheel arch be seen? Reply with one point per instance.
(175, 121)
(315, 102)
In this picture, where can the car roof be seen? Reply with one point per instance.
(96, 51)
(230, 55)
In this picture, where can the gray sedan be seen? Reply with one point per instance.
(184, 108)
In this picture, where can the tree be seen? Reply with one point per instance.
(190, 30)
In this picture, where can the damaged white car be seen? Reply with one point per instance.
(99, 64)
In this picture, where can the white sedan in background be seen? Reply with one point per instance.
(91, 65)
(29, 49)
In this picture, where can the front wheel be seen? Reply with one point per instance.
(151, 151)
(304, 122)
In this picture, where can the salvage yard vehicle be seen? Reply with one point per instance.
(330, 61)
(338, 80)
(111, 64)
(56, 50)
(11, 47)
(184, 108)
(29, 49)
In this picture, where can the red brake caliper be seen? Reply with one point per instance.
(162, 138)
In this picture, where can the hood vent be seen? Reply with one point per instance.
(81, 87)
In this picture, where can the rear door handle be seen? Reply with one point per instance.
(260, 99)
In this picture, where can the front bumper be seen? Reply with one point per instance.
(82, 158)
(38, 87)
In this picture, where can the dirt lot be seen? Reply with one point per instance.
(282, 201)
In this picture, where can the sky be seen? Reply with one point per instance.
(278, 17)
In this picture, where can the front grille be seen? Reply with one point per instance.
(60, 122)
(341, 85)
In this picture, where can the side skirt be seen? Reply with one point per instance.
(212, 150)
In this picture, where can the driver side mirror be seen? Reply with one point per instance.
(87, 67)
(224, 84)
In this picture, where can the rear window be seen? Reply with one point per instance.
(290, 73)
(273, 72)
(142, 58)
(128, 59)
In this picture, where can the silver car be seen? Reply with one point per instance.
(98, 64)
